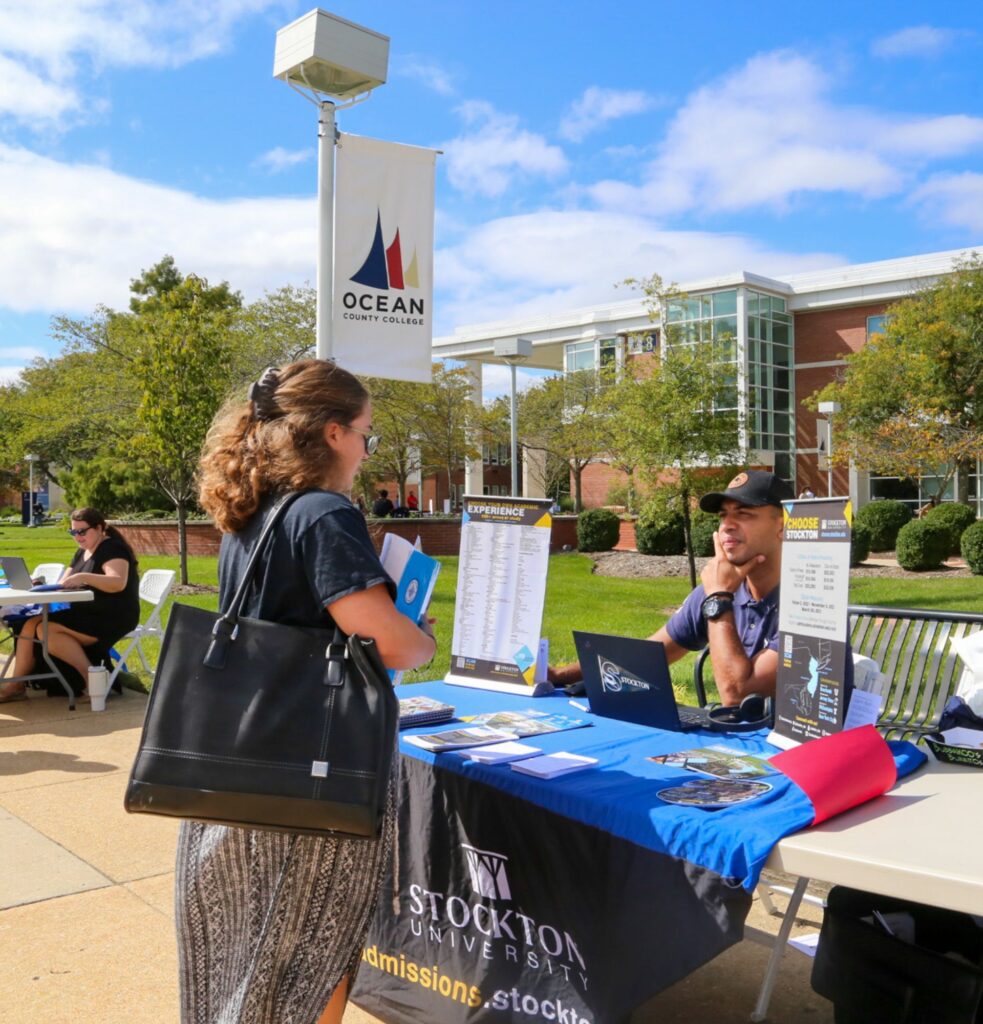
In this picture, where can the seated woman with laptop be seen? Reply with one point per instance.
(105, 564)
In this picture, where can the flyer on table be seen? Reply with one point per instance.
(812, 622)
(501, 591)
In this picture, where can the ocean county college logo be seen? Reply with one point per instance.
(487, 870)
(614, 678)
(384, 272)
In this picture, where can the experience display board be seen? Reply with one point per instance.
(813, 620)
(501, 589)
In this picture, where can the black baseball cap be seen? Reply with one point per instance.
(754, 487)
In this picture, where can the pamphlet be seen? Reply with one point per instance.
(712, 794)
(527, 723)
(453, 739)
(415, 575)
(549, 766)
(415, 711)
(720, 762)
(499, 753)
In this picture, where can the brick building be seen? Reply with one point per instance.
(789, 335)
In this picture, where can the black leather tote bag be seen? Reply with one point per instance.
(262, 725)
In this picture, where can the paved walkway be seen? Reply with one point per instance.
(86, 920)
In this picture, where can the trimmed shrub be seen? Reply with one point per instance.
(922, 545)
(702, 528)
(859, 544)
(597, 529)
(955, 517)
(884, 519)
(659, 534)
(971, 547)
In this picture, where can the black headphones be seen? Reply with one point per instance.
(754, 712)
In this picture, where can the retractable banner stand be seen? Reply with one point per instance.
(813, 620)
(501, 590)
(382, 319)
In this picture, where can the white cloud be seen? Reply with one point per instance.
(10, 353)
(496, 380)
(953, 199)
(279, 159)
(554, 260)
(485, 159)
(68, 241)
(766, 133)
(598, 106)
(10, 374)
(48, 46)
(917, 41)
(426, 72)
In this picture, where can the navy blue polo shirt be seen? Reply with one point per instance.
(756, 621)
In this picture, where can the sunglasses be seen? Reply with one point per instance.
(371, 440)
(80, 533)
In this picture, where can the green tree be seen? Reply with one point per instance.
(678, 417)
(182, 375)
(912, 400)
(447, 422)
(396, 411)
(567, 418)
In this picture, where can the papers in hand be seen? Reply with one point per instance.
(416, 711)
(415, 575)
(499, 753)
(453, 739)
(549, 766)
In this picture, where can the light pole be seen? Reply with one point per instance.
(30, 460)
(829, 409)
(513, 351)
(325, 58)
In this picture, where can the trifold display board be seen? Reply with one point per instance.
(812, 620)
(501, 589)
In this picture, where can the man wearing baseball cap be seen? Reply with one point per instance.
(734, 609)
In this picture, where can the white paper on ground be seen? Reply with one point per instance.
(962, 737)
(807, 944)
(863, 709)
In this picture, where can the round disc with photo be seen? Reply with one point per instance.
(712, 793)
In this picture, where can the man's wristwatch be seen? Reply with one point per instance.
(717, 604)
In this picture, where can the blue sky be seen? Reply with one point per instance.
(579, 147)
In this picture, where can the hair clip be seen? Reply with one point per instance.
(261, 394)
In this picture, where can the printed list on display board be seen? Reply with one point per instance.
(501, 591)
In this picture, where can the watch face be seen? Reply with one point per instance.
(714, 607)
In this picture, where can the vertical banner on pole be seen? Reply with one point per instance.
(383, 259)
(813, 620)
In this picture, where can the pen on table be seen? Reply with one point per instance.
(578, 705)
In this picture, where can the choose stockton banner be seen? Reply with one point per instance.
(382, 320)
(501, 589)
(813, 620)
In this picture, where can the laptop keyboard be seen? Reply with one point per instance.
(691, 716)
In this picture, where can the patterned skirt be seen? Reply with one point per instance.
(269, 923)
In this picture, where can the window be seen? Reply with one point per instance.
(580, 355)
(876, 325)
(770, 376)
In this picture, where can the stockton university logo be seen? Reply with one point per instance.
(383, 267)
(487, 872)
(614, 678)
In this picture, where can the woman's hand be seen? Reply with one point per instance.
(75, 581)
(372, 615)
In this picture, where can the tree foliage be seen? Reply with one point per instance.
(912, 398)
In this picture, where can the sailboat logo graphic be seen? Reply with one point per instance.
(383, 267)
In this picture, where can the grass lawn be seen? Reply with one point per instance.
(575, 599)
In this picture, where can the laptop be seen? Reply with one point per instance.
(18, 576)
(628, 679)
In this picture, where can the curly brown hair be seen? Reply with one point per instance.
(275, 441)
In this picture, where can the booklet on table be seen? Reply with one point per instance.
(549, 766)
(528, 722)
(416, 711)
(453, 739)
(499, 753)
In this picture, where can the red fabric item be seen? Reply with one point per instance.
(840, 771)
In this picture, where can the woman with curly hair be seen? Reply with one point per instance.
(271, 925)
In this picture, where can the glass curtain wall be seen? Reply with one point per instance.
(771, 384)
(710, 317)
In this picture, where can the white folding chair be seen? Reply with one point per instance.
(48, 572)
(155, 585)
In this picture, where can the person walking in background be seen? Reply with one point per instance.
(382, 506)
(271, 925)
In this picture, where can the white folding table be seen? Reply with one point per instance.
(10, 597)
(920, 842)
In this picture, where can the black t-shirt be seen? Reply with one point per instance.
(320, 551)
(382, 507)
(111, 615)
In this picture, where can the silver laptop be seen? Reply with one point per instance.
(16, 571)
(628, 679)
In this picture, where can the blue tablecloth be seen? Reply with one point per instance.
(619, 795)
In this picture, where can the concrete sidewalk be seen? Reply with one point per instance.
(86, 919)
